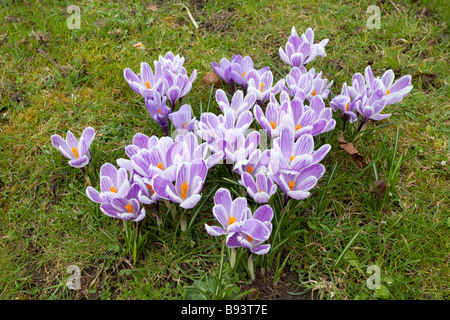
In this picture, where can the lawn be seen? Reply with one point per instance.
(55, 78)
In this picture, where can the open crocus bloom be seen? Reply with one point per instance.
(320, 86)
(192, 150)
(300, 51)
(113, 184)
(254, 232)
(323, 121)
(345, 104)
(188, 184)
(262, 190)
(145, 82)
(274, 116)
(261, 85)
(240, 68)
(397, 91)
(182, 119)
(170, 62)
(125, 208)
(158, 109)
(238, 104)
(77, 151)
(177, 85)
(231, 214)
(298, 83)
(223, 69)
(257, 162)
(238, 150)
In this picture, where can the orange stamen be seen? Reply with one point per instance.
(249, 169)
(160, 166)
(262, 85)
(147, 84)
(151, 189)
(129, 208)
(298, 127)
(259, 190)
(184, 126)
(346, 108)
(231, 220)
(291, 185)
(292, 158)
(249, 238)
(387, 92)
(273, 124)
(113, 189)
(159, 111)
(314, 92)
(184, 188)
(75, 152)
(243, 74)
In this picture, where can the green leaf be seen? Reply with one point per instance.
(339, 260)
(382, 293)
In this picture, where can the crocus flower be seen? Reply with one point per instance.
(257, 162)
(231, 214)
(345, 104)
(261, 85)
(177, 85)
(223, 69)
(171, 62)
(125, 208)
(146, 194)
(145, 82)
(158, 110)
(77, 151)
(238, 102)
(298, 83)
(238, 150)
(188, 184)
(300, 51)
(274, 116)
(323, 121)
(262, 189)
(113, 184)
(320, 86)
(182, 119)
(192, 150)
(397, 91)
(253, 232)
(241, 66)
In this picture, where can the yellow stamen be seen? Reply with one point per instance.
(298, 127)
(147, 84)
(314, 92)
(184, 188)
(160, 166)
(346, 108)
(249, 169)
(231, 220)
(259, 190)
(249, 238)
(151, 189)
(387, 92)
(75, 152)
(129, 208)
(291, 185)
(243, 74)
(262, 85)
(113, 189)
(292, 158)
(184, 126)
(273, 124)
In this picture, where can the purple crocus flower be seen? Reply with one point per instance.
(238, 150)
(254, 231)
(231, 214)
(146, 82)
(177, 85)
(125, 208)
(238, 104)
(171, 62)
(192, 150)
(182, 120)
(113, 184)
(397, 91)
(261, 85)
(345, 104)
(240, 68)
(370, 106)
(146, 194)
(262, 189)
(320, 86)
(298, 83)
(323, 121)
(78, 152)
(275, 115)
(300, 51)
(223, 69)
(158, 110)
(257, 162)
(188, 184)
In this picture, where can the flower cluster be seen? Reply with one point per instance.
(169, 83)
(368, 96)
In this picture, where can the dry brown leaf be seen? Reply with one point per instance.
(380, 188)
(211, 78)
(152, 7)
(351, 150)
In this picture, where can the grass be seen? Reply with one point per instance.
(48, 224)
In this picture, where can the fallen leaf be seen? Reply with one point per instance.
(351, 150)
(39, 36)
(380, 188)
(211, 78)
(152, 7)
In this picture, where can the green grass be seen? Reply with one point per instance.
(48, 224)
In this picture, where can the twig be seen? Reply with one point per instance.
(50, 59)
(7, 34)
(189, 14)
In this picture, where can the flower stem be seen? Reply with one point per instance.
(233, 258)
(250, 266)
(86, 177)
